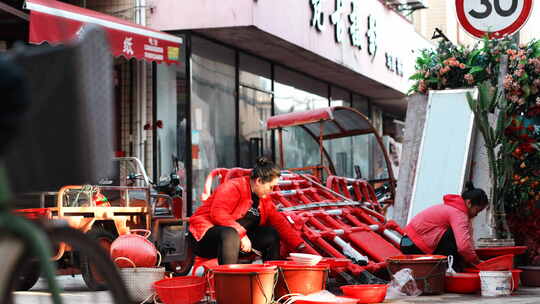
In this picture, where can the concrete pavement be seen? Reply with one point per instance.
(75, 292)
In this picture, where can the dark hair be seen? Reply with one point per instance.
(477, 196)
(265, 169)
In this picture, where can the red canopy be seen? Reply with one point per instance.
(336, 122)
(56, 22)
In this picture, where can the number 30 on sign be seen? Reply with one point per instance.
(497, 18)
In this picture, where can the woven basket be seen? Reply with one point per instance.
(139, 280)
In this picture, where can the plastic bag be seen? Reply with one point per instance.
(323, 296)
(450, 270)
(402, 284)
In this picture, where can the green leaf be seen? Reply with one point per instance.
(476, 69)
(536, 47)
(499, 130)
(483, 96)
(472, 56)
(472, 103)
(526, 90)
(417, 76)
(493, 98)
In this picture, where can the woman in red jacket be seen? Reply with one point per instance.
(445, 229)
(239, 215)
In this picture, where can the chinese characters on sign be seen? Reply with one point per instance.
(354, 29)
(338, 20)
(394, 64)
(128, 46)
(335, 19)
(371, 35)
(350, 22)
(317, 20)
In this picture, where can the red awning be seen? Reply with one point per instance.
(56, 22)
(336, 122)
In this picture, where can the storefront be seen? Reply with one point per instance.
(248, 60)
(140, 53)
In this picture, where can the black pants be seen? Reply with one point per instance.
(224, 243)
(447, 246)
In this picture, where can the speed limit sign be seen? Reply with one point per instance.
(497, 18)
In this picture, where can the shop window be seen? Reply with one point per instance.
(341, 150)
(166, 128)
(340, 97)
(170, 137)
(294, 92)
(255, 73)
(213, 115)
(255, 107)
(361, 103)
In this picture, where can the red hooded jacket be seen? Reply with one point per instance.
(427, 227)
(230, 202)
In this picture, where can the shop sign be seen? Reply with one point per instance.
(341, 26)
(496, 18)
(394, 64)
(351, 23)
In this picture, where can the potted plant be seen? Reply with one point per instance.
(491, 114)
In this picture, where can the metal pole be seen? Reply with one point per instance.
(281, 156)
(321, 146)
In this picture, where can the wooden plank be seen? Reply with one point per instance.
(13, 11)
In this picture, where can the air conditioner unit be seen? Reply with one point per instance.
(406, 5)
(413, 5)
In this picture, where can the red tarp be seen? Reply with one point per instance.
(56, 22)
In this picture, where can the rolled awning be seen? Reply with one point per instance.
(56, 22)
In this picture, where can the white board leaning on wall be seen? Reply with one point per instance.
(445, 149)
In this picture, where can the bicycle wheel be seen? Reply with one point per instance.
(90, 250)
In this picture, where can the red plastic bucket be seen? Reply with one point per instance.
(181, 290)
(428, 270)
(244, 283)
(295, 278)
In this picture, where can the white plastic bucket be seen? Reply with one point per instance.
(496, 283)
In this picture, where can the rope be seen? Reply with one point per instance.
(291, 298)
(89, 190)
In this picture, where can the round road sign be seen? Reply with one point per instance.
(497, 18)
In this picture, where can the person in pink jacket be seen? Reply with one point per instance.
(445, 229)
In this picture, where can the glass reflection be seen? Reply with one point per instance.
(293, 93)
(212, 111)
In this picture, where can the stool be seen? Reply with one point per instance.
(206, 263)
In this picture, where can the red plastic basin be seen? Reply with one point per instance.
(489, 252)
(500, 263)
(366, 293)
(181, 290)
(462, 283)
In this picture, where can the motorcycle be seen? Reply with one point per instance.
(169, 231)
